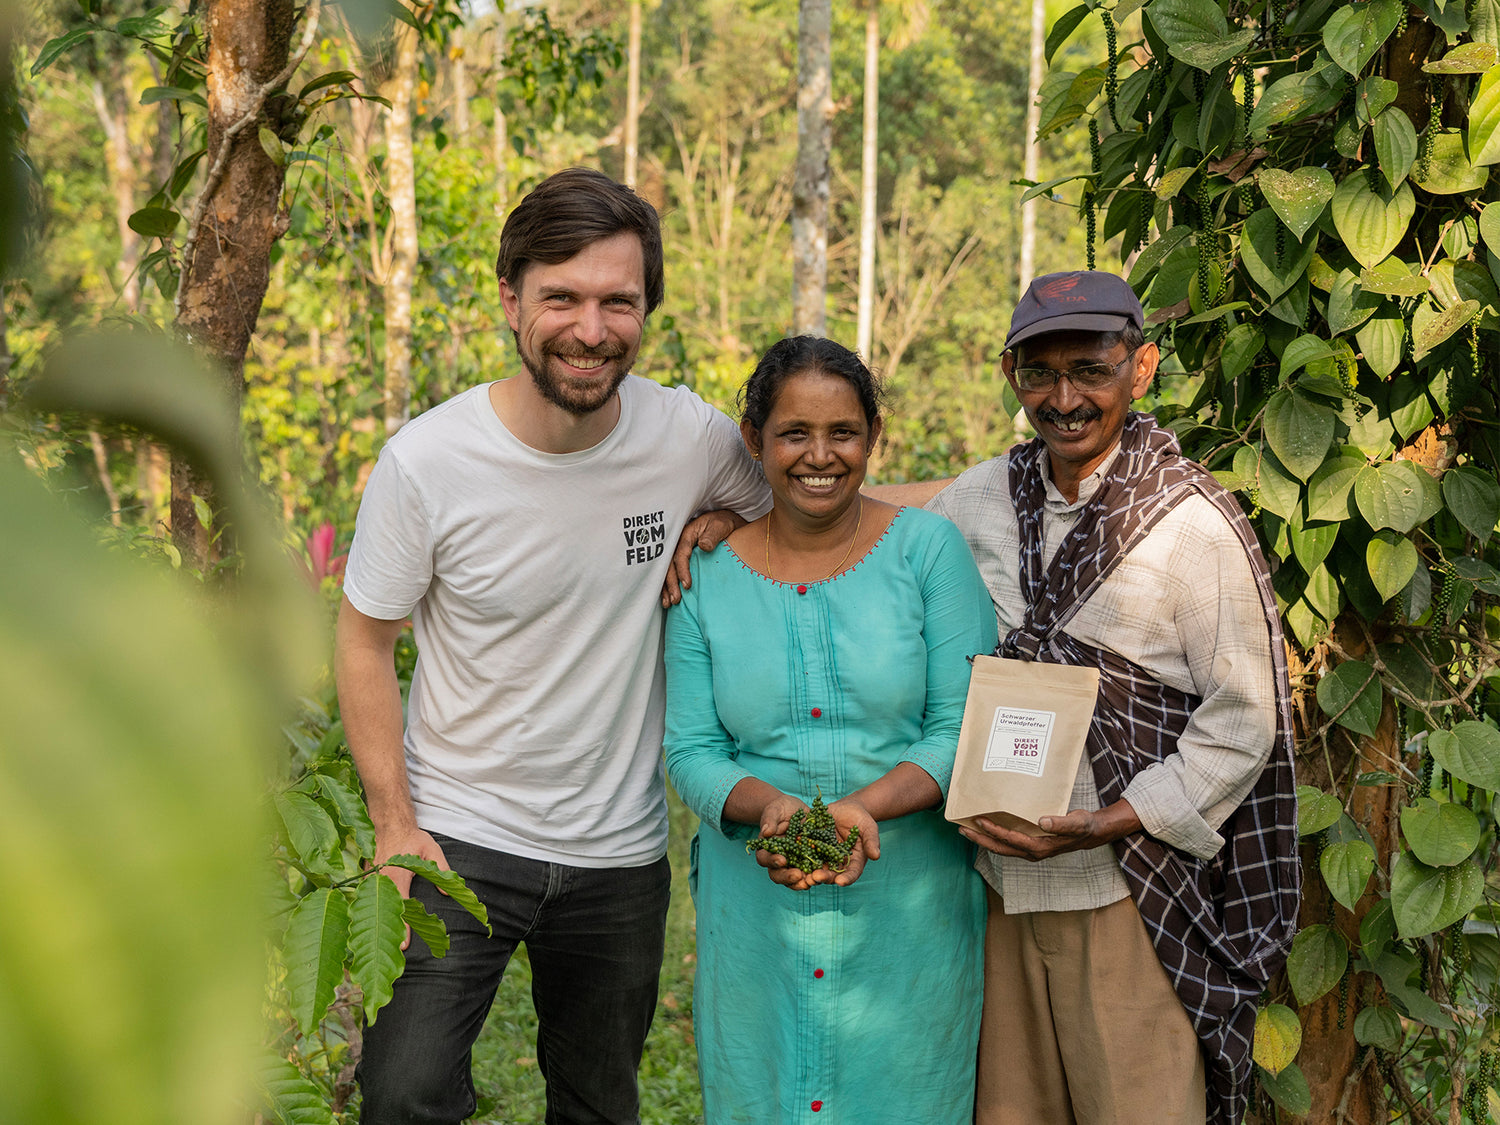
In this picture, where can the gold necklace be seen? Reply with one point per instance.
(858, 516)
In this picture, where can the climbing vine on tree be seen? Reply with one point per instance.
(1301, 191)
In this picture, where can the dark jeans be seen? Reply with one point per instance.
(594, 937)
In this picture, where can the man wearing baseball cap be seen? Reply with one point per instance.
(1126, 948)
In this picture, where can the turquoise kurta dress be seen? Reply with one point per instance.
(835, 1004)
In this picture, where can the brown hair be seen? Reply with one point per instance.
(567, 211)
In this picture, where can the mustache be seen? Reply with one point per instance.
(1081, 414)
(578, 350)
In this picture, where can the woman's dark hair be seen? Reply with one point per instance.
(567, 211)
(797, 355)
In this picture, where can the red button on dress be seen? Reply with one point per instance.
(817, 712)
(817, 1106)
(801, 589)
(818, 973)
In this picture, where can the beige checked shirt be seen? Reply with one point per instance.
(1182, 605)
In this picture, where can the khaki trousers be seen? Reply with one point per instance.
(1081, 1025)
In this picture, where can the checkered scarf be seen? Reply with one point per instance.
(1220, 927)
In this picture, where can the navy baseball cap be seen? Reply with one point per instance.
(1076, 301)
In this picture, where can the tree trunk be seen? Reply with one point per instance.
(1329, 1055)
(458, 72)
(869, 165)
(400, 168)
(1032, 147)
(633, 94)
(6, 359)
(113, 110)
(501, 134)
(810, 188)
(224, 279)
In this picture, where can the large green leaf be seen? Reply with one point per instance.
(1473, 496)
(1430, 327)
(1349, 305)
(1393, 278)
(1350, 694)
(1379, 340)
(1484, 120)
(1330, 491)
(1484, 21)
(1312, 544)
(1289, 1089)
(1371, 222)
(311, 831)
(1381, 1027)
(1391, 560)
(1298, 430)
(1151, 258)
(1353, 34)
(426, 925)
(1294, 97)
(1346, 868)
(1409, 407)
(1448, 169)
(1318, 959)
(376, 929)
(317, 938)
(1197, 33)
(1468, 58)
(288, 1097)
(1393, 494)
(1470, 752)
(1316, 810)
(1278, 1037)
(1279, 492)
(1489, 226)
(1064, 26)
(1297, 197)
(1439, 833)
(1322, 592)
(351, 811)
(1395, 145)
(449, 881)
(1396, 968)
(1275, 274)
(1426, 899)
(1240, 348)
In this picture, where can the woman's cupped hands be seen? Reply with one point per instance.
(848, 814)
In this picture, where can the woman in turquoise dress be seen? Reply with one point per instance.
(821, 652)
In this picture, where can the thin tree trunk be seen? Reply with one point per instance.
(458, 72)
(1032, 147)
(501, 133)
(400, 167)
(633, 94)
(113, 111)
(227, 265)
(6, 359)
(106, 480)
(869, 166)
(810, 191)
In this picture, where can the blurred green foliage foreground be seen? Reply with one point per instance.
(136, 709)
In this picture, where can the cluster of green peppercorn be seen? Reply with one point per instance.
(811, 840)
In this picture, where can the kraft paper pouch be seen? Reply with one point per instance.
(1025, 725)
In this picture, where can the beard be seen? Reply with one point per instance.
(577, 397)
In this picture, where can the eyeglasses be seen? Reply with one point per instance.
(1089, 377)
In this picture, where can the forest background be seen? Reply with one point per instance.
(1299, 191)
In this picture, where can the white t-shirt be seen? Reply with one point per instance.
(534, 581)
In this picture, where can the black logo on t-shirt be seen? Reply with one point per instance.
(645, 537)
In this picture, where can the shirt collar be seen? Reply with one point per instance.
(1057, 503)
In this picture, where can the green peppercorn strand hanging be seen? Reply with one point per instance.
(1112, 75)
(1401, 22)
(1444, 599)
(1247, 82)
(811, 840)
(1089, 216)
(1429, 134)
(1476, 366)
(1280, 241)
(1424, 787)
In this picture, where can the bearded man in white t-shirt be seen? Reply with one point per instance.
(526, 528)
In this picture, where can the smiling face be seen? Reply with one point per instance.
(577, 323)
(1080, 427)
(815, 445)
